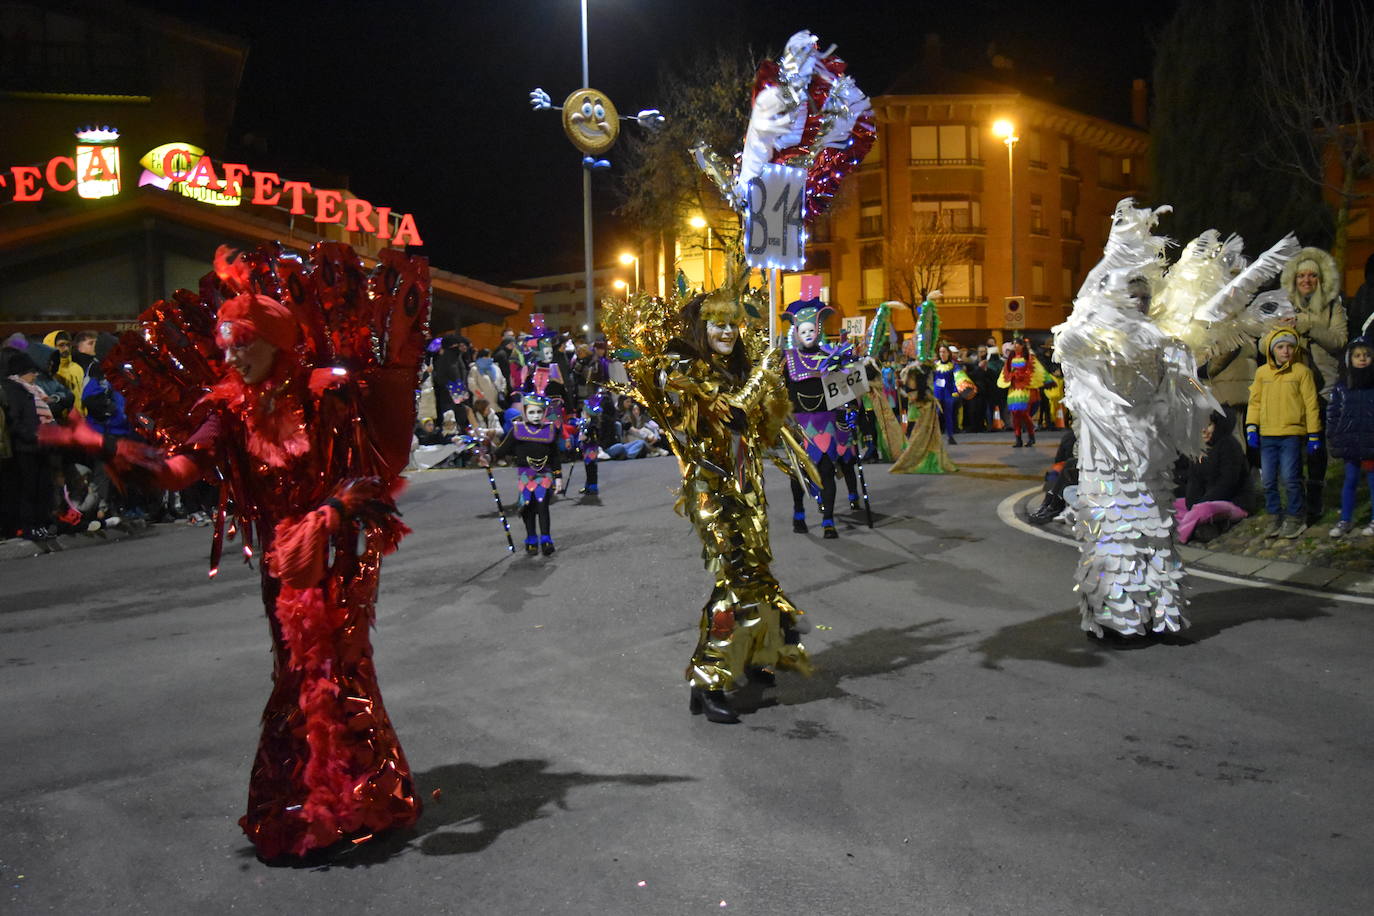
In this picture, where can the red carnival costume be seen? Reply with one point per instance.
(308, 458)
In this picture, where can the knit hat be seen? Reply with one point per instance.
(249, 316)
(1281, 337)
(21, 364)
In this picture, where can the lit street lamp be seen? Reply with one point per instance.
(620, 286)
(1007, 131)
(627, 259)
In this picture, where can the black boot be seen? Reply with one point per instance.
(951, 441)
(762, 676)
(1048, 511)
(854, 504)
(828, 529)
(714, 704)
(799, 522)
(546, 545)
(531, 545)
(1031, 441)
(1019, 443)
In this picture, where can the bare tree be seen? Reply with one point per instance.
(919, 261)
(1317, 83)
(707, 98)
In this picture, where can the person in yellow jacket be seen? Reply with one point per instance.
(1283, 413)
(69, 371)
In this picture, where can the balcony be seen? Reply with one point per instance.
(1068, 172)
(1040, 231)
(946, 163)
(1037, 164)
(870, 304)
(870, 227)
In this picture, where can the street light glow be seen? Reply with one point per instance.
(1004, 129)
(627, 258)
(618, 284)
(697, 222)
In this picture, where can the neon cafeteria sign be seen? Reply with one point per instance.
(94, 173)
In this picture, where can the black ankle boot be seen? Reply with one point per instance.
(762, 676)
(828, 532)
(799, 525)
(546, 545)
(1019, 443)
(714, 704)
(1031, 440)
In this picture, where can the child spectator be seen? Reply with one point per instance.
(1217, 490)
(1283, 409)
(1350, 425)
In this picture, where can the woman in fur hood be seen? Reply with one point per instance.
(1313, 285)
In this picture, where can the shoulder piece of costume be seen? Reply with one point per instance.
(522, 431)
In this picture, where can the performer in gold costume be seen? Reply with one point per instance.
(704, 375)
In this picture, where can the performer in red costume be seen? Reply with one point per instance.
(292, 386)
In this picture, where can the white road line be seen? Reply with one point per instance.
(1006, 511)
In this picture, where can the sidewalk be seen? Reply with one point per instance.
(1275, 572)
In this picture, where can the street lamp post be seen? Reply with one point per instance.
(627, 259)
(1007, 131)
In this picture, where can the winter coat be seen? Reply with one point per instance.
(1321, 319)
(1361, 308)
(1283, 399)
(1229, 375)
(1222, 473)
(1350, 423)
(21, 417)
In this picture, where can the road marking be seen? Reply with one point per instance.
(1006, 511)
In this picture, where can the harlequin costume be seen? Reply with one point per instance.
(589, 439)
(723, 410)
(535, 442)
(309, 459)
(830, 444)
(1023, 376)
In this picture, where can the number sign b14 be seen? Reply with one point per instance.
(774, 232)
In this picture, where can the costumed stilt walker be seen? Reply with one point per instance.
(293, 385)
(711, 382)
(1129, 352)
(535, 443)
(829, 444)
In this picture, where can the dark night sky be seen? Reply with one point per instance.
(424, 105)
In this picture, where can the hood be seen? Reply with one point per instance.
(1267, 346)
(1326, 269)
(51, 338)
(1358, 379)
(42, 355)
(1225, 423)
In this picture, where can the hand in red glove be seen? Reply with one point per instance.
(76, 433)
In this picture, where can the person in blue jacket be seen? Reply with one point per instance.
(1350, 429)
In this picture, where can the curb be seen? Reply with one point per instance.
(21, 549)
(1283, 576)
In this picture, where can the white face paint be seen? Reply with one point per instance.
(807, 332)
(722, 337)
(534, 413)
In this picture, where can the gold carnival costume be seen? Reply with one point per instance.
(714, 384)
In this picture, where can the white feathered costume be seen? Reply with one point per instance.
(1129, 352)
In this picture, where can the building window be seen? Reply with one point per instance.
(1068, 227)
(945, 144)
(1035, 149)
(1037, 279)
(1066, 280)
(963, 283)
(871, 271)
(819, 233)
(870, 205)
(1037, 226)
(1066, 157)
(1113, 171)
(957, 214)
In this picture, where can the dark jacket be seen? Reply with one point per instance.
(1223, 473)
(21, 417)
(1350, 415)
(1361, 308)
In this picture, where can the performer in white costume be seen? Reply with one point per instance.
(1129, 352)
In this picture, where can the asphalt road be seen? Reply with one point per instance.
(961, 749)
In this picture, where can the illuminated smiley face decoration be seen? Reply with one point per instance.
(590, 121)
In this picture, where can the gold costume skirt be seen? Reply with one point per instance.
(748, 622)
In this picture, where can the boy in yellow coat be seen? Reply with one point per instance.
(1282, 414)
